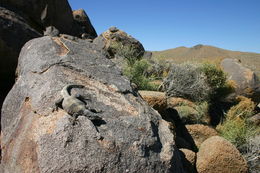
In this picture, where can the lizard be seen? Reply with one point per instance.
(74, 105)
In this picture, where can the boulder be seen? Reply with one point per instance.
(216, 155)
(14, 32)
(200, 133)
(117, 43)
(245, 81)
(155, 99)
(83, 21)
(177, 101)
(255, 119)
(188, 160)
(36, 137)
(43, 13)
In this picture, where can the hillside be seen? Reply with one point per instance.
(202, 53)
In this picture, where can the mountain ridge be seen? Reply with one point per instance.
(206, 53)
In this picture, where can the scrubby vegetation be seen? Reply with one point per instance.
(138, 70)
(186, 81)
(197, 82)
(129, 53)
(216, 79)
(236, 128)
(252, 154)
(196, 114)
(136, 73)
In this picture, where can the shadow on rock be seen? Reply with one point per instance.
(183, 137)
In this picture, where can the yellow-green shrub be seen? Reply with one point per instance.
(236, 128)
(244, 109)
(135, 73)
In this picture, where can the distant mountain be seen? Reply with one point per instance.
(203, 53)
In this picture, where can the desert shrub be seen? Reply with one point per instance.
(237, 131)
(193, 115)
(128, 52)
(217, 81)
(197, 82)
(236, 128)
(202, 112)
(244, 109)
(187, 81)
(135, 73)
(134, 67)
(252, 154)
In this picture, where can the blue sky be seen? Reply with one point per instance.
(164, 24)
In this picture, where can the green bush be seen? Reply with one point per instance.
(128, 52)
(216, 80)
(135, 73)
(139, 71)
(237, 131)
(193, 115)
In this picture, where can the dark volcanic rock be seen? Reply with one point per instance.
(14, 32)
(245, 80)
(85, 26)
(37, 138)
(42, 13)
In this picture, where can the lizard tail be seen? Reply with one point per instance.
(65, 92)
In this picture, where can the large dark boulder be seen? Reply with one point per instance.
(22, 20)
(244, 80)
(42, 13)
(14, 32)
(85, 26)
(38, 138)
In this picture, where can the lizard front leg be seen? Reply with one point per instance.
(58, 104)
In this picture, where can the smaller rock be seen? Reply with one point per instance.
(113, 29)
(188, 160)
(84, 25)
(255, 119)
(51, 31)
(217, 155)
(177, 101)
(155, 99)
(200, 133)
(117, 42)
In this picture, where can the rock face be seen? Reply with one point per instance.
(83, 21)
(245, 80)
(218, 155)
(22, 20)
(43, 13)
(38, 138)
(14, 32)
